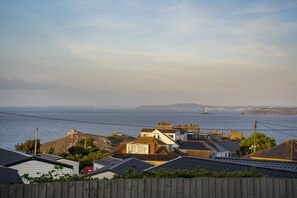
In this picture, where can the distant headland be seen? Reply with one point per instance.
(245, 110)
(288, 111)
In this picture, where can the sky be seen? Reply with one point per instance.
(131, 52)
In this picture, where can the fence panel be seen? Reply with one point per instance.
(157, 187)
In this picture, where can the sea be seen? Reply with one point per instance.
(20, 123)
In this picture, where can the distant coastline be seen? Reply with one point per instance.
(245, 110)
(273, 111)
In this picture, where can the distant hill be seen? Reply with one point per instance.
(248, 110)
(199, 107)
(108, 143)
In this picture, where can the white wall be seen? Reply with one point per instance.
(137, 148)
(75, 165)
(157, 134)
(32, 167)
(107, 174)
(97, 166)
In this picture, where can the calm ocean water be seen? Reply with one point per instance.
(16, 129)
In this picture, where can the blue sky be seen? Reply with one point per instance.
(123, 53)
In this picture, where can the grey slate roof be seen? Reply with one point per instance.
(38, 159)
(9, 176)
(191, 163)
(50, 157)
(107, 161)
(231, 146)
(9, 156)
(279, 165)
(123, 167)
(215, 145)
(193, 145)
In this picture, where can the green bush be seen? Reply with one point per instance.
(181, 173)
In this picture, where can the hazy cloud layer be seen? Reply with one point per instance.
(21, 84)
(148, 52)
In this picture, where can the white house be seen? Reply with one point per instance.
(62, 160)
(167, 138)
(174, 134)
(36, 166)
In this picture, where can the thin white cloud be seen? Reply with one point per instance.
(266, 8)
(258, 50)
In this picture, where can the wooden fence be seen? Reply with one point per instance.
(157, 187)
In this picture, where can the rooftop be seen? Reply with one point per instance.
(284, 151)
(124, 166)
(191, 163)
(10, 156)
(149, 130)
(193, 145)
(279, 165)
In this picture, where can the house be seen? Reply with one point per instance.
(108, 161)
(191, 163)
(236, 135)
(36, 166)
(232, 147)
(169, 137)
(60, 159)
(223, 148)
(286, 151)
(29, 164)
(216, 149)
(9, 176)
(195, 148)
(148, 149)
(144, 145)
(120, 168)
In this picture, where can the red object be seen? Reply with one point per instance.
(89, 169)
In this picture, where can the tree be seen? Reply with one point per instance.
(50, 150)
(85, 152)
(28, 146)
(262, 142)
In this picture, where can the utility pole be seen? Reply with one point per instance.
(36, 139)
(255, 130)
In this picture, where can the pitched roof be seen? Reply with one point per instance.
(215, 146)
(191, 163)
(9, 176)
(123, 167)
(50, 157)
(199, 153)
(9, 156)
(279, 165)
(146, 157)
(232, 146)
(149, 130)
(108, 161)
(148, 140)
(40, 159)
(284, 151)
(193, 145)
